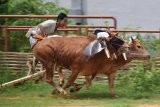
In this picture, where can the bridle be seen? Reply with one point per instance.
(116, 43)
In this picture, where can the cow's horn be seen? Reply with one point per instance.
(107, 52)
(124, 55)
(115, 56)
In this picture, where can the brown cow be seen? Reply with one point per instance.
(137, 52)
(68, 52)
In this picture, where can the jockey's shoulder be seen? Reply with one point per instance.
(49, 21)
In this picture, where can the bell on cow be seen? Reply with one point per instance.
(115, 56)
(124, 55)
(107, 52)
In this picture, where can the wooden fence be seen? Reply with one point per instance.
(9, 32)
(16, 62)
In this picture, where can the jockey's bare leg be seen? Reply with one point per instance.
(35, 62)
(31, 63)
(30, 66)
(61, 76)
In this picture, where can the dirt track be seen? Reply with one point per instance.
(147, 105)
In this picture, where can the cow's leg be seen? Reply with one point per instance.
(111, 78)
(61, 77)
(71, 79)
(87, 83)
(50, 80)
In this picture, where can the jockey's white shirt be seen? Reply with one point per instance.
(48, 26)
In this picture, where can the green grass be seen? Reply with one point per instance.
(39, 95)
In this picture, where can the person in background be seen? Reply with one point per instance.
(46, 28)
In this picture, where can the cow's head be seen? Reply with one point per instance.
(118, 45)
(137, 50)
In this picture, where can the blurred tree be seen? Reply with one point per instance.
(30, 7)
(4, 9)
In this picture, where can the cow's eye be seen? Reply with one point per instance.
(129, 48)
(138, 46)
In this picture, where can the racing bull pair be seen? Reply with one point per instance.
(74, 53)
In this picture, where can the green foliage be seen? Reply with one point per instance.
(30, 7)
(140, 80)
(153, 46)
(3, 9)
(6, 75)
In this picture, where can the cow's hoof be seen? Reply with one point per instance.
(115, 96)
(64, 92)
(72, 90)
(61, 83)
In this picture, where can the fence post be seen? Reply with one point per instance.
(87, 31)
(1, 39)
(6, 39)
(66, 32)
(79, 31)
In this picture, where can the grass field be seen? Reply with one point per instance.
(39, 95)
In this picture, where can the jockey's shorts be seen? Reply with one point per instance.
(34, 38)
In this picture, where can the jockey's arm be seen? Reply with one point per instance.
(42, 30)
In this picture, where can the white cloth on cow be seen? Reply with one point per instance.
(93, 48)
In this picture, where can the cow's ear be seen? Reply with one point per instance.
(115, 33)
(132, 39)
(110, 33)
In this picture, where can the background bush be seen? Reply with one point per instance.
(140, 81)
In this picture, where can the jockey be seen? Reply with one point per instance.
(46, 28)
(42, 30)
(100, 33)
